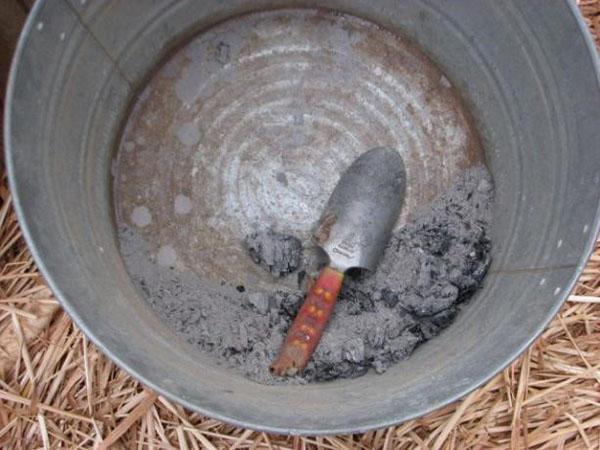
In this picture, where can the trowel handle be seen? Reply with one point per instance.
(307, 328)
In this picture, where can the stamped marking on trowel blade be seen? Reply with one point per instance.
(341, 252)
(346, 248)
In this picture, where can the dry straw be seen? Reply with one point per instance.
(58, 391)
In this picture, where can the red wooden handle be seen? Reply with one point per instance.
(307, 328)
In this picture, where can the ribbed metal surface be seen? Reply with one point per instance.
(254, 120)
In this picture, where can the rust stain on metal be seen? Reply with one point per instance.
(324, 230)
(252, 120)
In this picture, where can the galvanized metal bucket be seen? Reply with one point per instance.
(529, 75)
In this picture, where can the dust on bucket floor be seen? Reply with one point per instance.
(233, 148)
(432, 265)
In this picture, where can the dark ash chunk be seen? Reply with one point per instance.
(277, 253)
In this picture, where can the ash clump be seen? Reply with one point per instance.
(277, 253)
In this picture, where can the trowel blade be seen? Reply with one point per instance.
(362, 210)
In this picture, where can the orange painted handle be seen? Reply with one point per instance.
(307, 328)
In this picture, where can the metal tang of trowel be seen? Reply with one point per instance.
(354, 230)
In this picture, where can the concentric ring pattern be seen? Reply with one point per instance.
(252, 122)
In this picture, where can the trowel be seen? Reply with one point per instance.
(353, 230)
